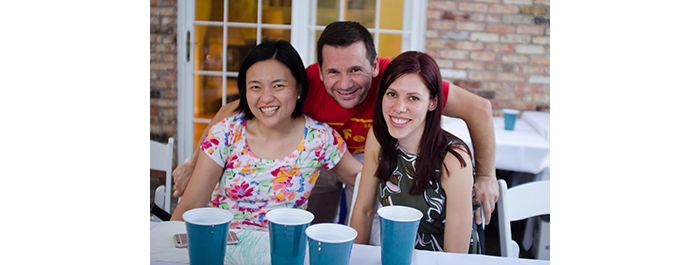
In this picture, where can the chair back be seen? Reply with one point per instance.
(517, 203)
(355, 190)
(162, 159)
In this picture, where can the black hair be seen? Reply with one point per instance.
(434, 138)
(344, 34)
(283, 52)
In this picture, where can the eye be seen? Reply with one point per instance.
(356, 70)
(279, 85)
(254, 88)
(413, 98)
(391, 94)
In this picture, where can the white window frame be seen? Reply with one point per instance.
(303, 27)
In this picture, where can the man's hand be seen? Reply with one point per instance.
(181, 176)
(486, 188)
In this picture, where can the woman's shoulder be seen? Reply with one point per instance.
(313, 125)
(229, 124)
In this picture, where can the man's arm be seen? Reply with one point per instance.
(476, 112)
(183, 172)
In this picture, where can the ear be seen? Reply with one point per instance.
(375, 67)
(433, 104)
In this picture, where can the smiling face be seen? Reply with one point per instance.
(347, 74)
(271, 92)
(404, 107)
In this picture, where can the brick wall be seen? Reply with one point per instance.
(163, 69)
(498, 49)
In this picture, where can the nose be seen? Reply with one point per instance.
(266, 95)
(345, 82)
(400, 106)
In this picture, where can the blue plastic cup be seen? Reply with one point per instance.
(398, 229)
(287, 237)
(509, 117)
(330, 244)
(207, 229)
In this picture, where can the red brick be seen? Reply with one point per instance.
(541, 40)
(541, 70)
(470, 26)
(503, 9)
(532, 30)
(490, 18)
(480, 75)
(514, 58)
(442, 5)
(441, 24)
(471, 7)
(500, 28)
(510, 77)
(442, 63)
(453, 54)
(469, 64)
(459, 16)
(499, 47)
(515, 38)
(470, 45)
(483, 56)
(437, 43)
(434, 14)
(540, 59)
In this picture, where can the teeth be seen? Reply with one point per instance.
(347, 93)
(269, 109)
(399, 120)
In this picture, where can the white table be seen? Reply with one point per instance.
(539, 121)
(163, 251)
(522, 150)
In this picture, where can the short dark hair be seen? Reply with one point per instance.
(434, 138)
(344, 34)
(283, 52)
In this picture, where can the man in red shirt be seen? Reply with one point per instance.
(342, 88)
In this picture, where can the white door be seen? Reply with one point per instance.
(215, 35)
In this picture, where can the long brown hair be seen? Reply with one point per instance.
(434, 138)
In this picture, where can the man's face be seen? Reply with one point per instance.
(347, 74)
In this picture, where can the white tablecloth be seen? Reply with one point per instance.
(163, 251)
(539, 121)
(522, 149)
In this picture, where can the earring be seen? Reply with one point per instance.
(299, 97)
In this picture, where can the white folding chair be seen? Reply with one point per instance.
(162, 159)
(520, 202)
(374, 237)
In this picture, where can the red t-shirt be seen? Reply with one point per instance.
(353, 124)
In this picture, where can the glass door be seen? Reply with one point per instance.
(215, 35)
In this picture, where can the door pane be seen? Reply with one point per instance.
(276, 34)
(243, 11)
(231, 89)
(240, 42)
(361, 11)
(389, 45)
(326, 12)
(198, 131)
(207, 48)
(207, 96)
(277, 12)
(209, 10)
(391, 14)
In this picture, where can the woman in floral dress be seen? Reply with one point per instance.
(268, 154)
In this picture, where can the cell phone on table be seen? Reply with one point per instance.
(181, 239)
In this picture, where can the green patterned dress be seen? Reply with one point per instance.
(432, 203)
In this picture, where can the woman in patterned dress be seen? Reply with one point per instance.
(411, 161)
(268, 154)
